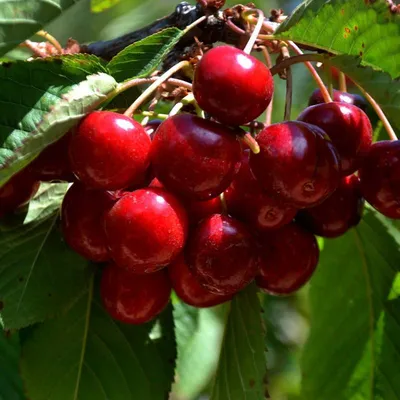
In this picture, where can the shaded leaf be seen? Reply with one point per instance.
(41, 100)
(242, 366)
(98, 6)
(86, 355)
(39, 274)
(355, 317)
(140, 59)
(21, 19)
(199, 335)
(10, 381)
(354, 27)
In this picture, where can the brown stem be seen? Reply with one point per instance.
(288, 62)
(342, 82)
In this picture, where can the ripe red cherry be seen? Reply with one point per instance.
(248, 202)
(347, 126)
(18, 191)
(222, 255)
(109, 151)
(146, 230)
(232, 86)
(82, 220)
(288, 259)
(340, 97)
(53, 164)
(188, 289)
(297, 162)
(380, 177)
(338, 213)
(134, 299)
(194, 157)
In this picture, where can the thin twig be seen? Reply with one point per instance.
(289, 94)
(342, 82)
(268, 112)
(256, 31)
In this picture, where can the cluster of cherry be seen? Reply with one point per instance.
(184, 204)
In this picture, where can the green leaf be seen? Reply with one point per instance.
(10, 380)
(41, 100)
(378, 84)
(199, 335)
(242, 365)
(353, 351)
(39, 274)
(98, 6)
(140, 59)
(354, 27)
(86, 355)
(21, 19)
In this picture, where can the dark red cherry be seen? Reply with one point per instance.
(188, 289)
(222, 255)
(248, 202)
(289, 257)
(380, 177)
(347, 126)
(232, 86)
(18, 191)
(53, 164)
(152, 126)
(146, 230)
(109, 151)
(338, 213)
(82, 219)
(134, 299)
(194, 157)
(297, 162)
(341, 97)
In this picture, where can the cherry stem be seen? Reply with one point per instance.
(145, 120)
(268, 112)
(235, 28)
(51, 39)
(224, 206)
(324, 91)
(380, 113)
(303, 58)
(257, 29)
(178, 106)
(342, 82)
(195, 23)
(250, 142)
(328, 75)
(32, 46)
(289, 94)
(153, 114)
(159, 81)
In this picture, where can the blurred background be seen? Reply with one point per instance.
(286, 319)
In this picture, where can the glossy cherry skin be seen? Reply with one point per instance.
(193, 157)
(222, 255)
(338, 213)
(232, 86)
(134, 299)
(380, 177)
(82, 220)
(297, 162)
(146, 230)
(53, 164)
(18, 191)
(109, 151)
(347, 126)
(289, 257)
(248, 202)
(188, 289)
(340, 97)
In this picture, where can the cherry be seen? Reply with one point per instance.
(337, 214)
(222, 255)
(289, 258)
(189, 289)
(348, 127)
(247, 201)
(340, 97)
(82, 220)
(194, 157)
(18, 191)
(232, 86)
(146, 230)
(380, 177)
(134, 299)
(109, 151)
(297, 162)
(53, 164)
